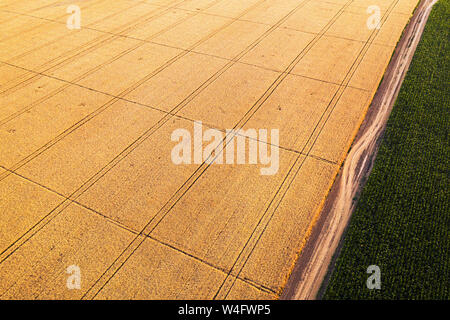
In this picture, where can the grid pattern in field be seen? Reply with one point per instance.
(86, 117)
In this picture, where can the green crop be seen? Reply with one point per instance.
(402, 220)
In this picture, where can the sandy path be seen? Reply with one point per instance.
(86, 123)
(307, 278)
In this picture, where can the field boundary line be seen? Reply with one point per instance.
(311, 141)
(114, 99)
(88, 47)
(85, 186)
(74, 81)
(312, 266)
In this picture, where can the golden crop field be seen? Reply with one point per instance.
(91, 93)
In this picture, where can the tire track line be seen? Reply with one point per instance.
(43, 25)
(114, 99)
(298, 163)
(86, 74)
(360, 156)
(92, 45)
(64, 204)
(180, 192)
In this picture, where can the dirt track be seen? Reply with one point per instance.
(87, 116)
(311, 270)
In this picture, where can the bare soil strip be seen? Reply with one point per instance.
(318, 256)
(87, 176)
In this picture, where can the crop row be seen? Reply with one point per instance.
(402, 220)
